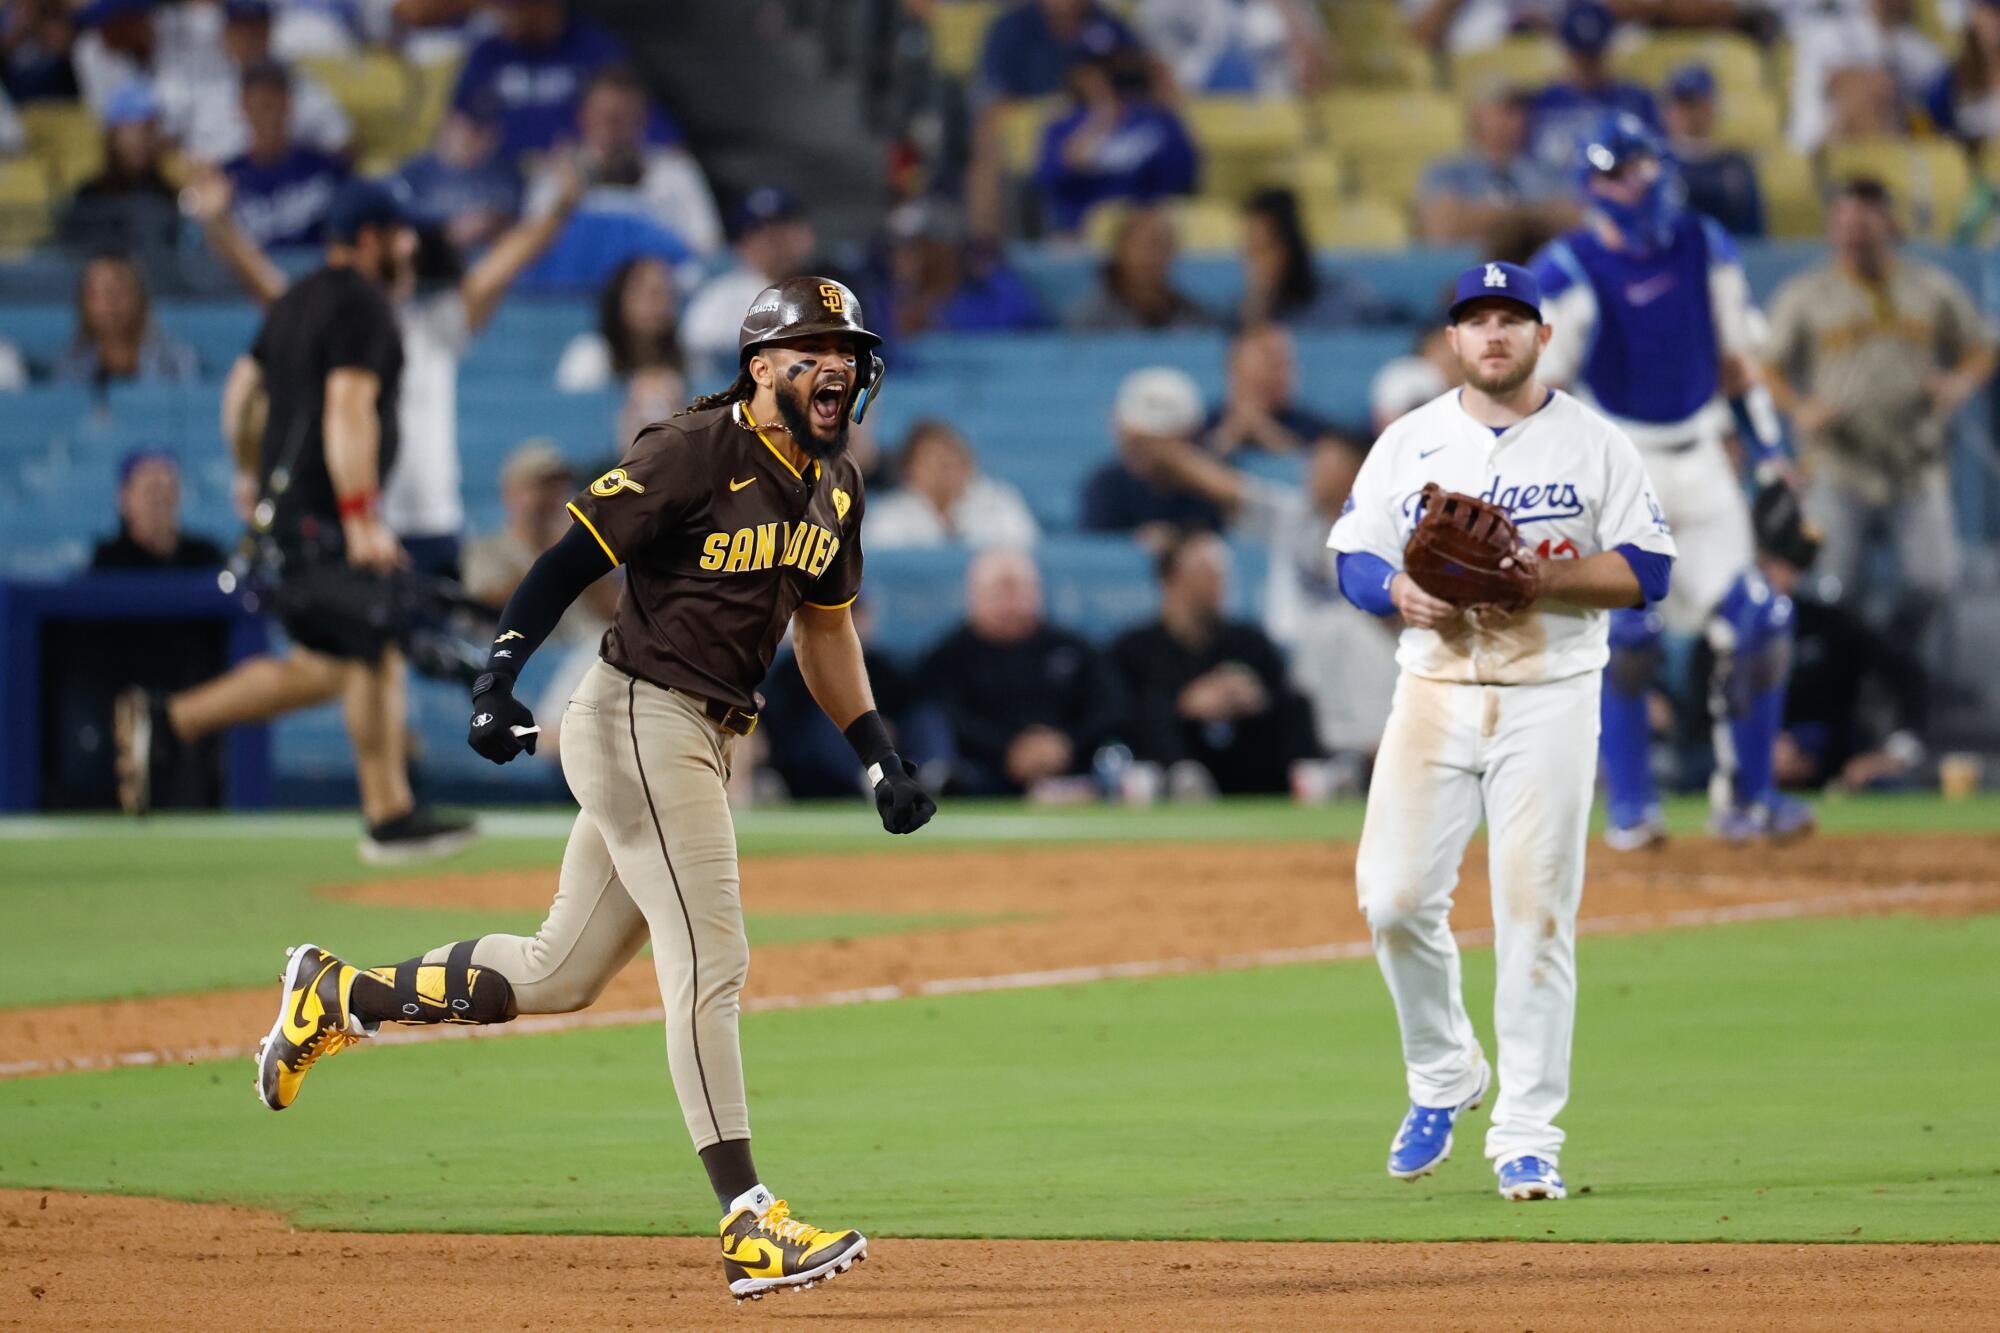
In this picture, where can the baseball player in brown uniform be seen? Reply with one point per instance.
(731, 520)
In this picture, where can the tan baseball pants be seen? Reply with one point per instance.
(652, 855)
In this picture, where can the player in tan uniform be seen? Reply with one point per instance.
(731, 520)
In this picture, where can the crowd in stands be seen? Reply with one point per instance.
(553, 166)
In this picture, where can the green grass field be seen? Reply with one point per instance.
(1815, 1080)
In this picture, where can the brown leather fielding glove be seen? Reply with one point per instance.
(1466, 552)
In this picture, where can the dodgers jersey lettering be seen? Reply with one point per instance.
(1575, 487)
(1641, 336)
(721, 540)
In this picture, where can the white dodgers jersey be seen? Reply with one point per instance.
(1575, 487)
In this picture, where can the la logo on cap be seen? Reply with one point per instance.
(1495, 276)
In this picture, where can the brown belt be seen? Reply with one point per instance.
(736, 721)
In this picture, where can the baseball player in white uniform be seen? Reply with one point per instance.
(1495, 715)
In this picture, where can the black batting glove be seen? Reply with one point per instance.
(496, 714)
(904, 806)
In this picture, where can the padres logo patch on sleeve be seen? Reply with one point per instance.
(615, 481)
(841, 501)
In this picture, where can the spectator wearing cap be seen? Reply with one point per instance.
(129, 207)
(1721, 182)
(1115, 144)
(1461, 197)
(1256, 48)
(940, 281)
(1964, 98)
(1407, 382)
(115, 339)
(149, 520)
(282, 188)
(538, 64)
(35, 41)
(943, 499)
(626, 174)
(462, 184)
(1156, 408)
(1135, 288)
(1030, 49)
(1563, 111)
(213, 127)
(773, 241)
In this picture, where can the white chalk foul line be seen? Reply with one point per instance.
(1827, 904)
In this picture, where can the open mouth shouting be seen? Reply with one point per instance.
(828, 402)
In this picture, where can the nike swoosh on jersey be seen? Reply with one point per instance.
(1428, 452)
(1651, 290)
(739, 485)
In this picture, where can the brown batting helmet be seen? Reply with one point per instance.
(806, 307)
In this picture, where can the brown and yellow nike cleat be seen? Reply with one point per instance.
(774, 1250)
(313, 1020)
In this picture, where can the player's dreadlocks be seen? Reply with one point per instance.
(741, 390)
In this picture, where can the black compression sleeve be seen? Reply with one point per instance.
(553, 582)
(869, 737)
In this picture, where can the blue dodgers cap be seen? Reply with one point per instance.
(131, 104)
(1586, 27)
(1496, 282)
(359, 204)
(764, 205)
(146, 453)
(1691, 83)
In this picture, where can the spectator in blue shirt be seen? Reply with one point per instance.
(36, 36)
(1964, 97)
(462, 185)
(1721, 182)
(282, 189)
(1115, 144)
(1461, 197)
(1030, 49)
(1563, 111)
(939, 281)
(538, 64)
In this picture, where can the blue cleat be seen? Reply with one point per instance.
(1788, 819)
(1425, 1137)
(1781, 819)
(1530, 1177)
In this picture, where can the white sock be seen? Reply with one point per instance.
(757, 1199)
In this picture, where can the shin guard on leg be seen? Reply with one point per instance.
(416, 991)
(1751, 633)
(1625, 738)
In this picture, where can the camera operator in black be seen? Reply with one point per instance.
(310, 410)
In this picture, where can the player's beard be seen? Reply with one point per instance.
(795, 408)
(1504, 383)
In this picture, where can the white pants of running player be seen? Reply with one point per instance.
(1524, 756)
(1703, 502)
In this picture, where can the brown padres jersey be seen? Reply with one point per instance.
(721, 539)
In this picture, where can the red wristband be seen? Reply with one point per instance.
(359, 505)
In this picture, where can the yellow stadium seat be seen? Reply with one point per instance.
(434, 84)
(1929, 178)
(1203, 224)
(1389, 176)
(66, 138)
(1792, 204)
(378, 91)
(1748, 118)
(1528, 62)
(1307, 171)
(1734, 60)
(1419, 124)
(958, 34)
(25, 202)
(1020, 129)
(1373, 48)
(1245, 142)
(1356, 224)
